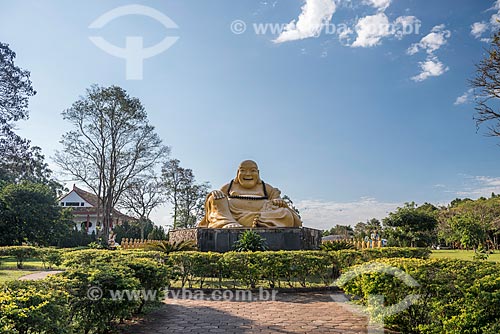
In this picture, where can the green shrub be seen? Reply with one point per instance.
(144, 253)
(290, 268)
(250, 241)
(21, 253)
(189, 267)
(98, 315)
(455, 296)
(33, 307)
(152, 276)
(50, 257)
(83, 258)
(168, 247)
(62, 304)
(243, 267)
(337, 245)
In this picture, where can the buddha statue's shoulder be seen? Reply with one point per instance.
(272, 192)
(225, 188)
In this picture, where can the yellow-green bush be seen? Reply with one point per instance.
(33, 307)
(456, 296)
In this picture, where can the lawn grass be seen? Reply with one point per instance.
(11, 275)
(461, 255)
(10, 263)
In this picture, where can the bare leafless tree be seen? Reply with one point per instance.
(486, 84)
(186, 196)
(141, 197)
(111, 145)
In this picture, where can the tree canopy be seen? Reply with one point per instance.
(110, 146)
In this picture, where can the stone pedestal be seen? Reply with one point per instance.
(222, 240)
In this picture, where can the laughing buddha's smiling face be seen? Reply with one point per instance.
(248, 174)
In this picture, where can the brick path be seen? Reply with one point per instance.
(311, 312)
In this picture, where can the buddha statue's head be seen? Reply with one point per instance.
(248, 174)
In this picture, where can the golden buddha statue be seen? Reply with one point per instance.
(247, 201)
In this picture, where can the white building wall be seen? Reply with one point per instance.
(73, 197)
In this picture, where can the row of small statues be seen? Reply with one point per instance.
(359, 244)
(135, 243)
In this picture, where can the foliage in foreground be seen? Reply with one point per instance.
(250, 241)
(61, 304)
(337, 245)
(456, 296)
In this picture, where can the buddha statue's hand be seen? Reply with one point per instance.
(217, 194)
(279, 202)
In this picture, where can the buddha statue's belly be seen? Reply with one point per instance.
(242, 205)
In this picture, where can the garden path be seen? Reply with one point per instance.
(312, 312)
(39, 275)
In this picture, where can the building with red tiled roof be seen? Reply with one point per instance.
(84, 207)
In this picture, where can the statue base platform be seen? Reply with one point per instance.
(222, 239)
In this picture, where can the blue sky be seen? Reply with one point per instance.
(349, 125)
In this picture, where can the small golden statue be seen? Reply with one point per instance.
(247, 201)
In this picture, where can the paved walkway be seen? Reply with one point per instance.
(311, 312)
(39, 275)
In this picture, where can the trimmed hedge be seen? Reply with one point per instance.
(456, 296)
(276, 269)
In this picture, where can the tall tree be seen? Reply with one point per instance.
(29, 213)
(411, 225)
(19, 161)
(344, 230)
(361, 230)
(471, 223)
(186, 196)
(111, 145)
(192, 203)
(141, 197)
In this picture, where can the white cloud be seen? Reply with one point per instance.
(371, 29)
(431, 42)
(478, 28)
(381, 5)
(480, 186)
(345, 36)
(405, 25)
(325, 214)
(464, 98)
(431, 67)
(314, 16)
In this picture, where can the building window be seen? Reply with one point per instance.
(72, 204)
(82, 204)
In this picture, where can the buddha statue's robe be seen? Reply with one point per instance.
(248, 207)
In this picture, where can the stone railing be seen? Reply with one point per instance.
(358, 244)
(136, 243)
